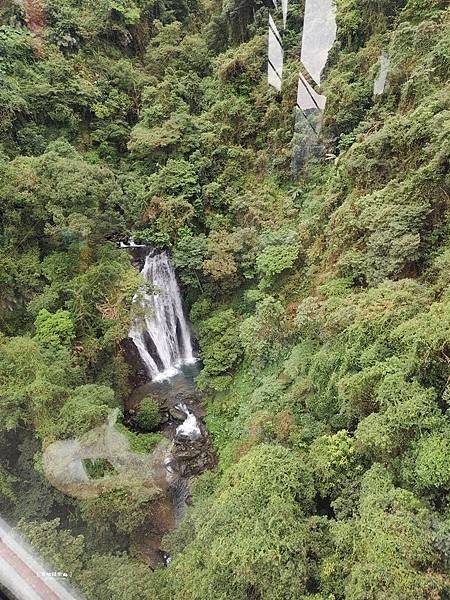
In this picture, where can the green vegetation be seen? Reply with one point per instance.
(148, 416)
(99, 575)
(54, 329)
(140, 442)
(98, 468)
(320, 298)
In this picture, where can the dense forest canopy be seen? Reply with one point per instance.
(320, 296)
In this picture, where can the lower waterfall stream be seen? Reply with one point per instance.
(162, 352)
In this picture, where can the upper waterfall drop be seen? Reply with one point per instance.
(161, 335)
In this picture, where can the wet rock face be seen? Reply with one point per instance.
(193, 456)
(176, 414)
(138, 254)
(138, 375)
(192, 450)
(192, 459)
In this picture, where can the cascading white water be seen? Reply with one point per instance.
(161, 335)
(189, 428)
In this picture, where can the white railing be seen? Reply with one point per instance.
(25, 575)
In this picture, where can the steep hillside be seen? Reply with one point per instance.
(319, 292)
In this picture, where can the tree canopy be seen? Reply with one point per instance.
(319, 292)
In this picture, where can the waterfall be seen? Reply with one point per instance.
(189, 428)
(161, 335)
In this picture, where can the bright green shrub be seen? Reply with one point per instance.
(55, 329)
(88, 406)
(148, 414)
(220, 345)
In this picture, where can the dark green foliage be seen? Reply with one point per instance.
(140, 442)
(250, 523)
(117, 576)
(101, 577)
(393, 541)
(86, 407)
(119, 509)
(6, 484)
(189, 255)
(98, 468)
(34, 383)
(320, 299)
(219, 337)
(34, 498)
